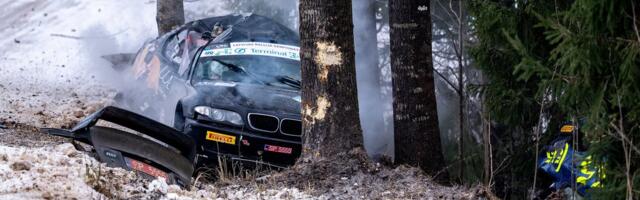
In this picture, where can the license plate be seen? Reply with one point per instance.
(219, 137)
(147, 169)
(278, 149)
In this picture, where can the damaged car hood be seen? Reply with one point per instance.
(250, 96)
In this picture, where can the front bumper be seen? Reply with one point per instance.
(213, 141)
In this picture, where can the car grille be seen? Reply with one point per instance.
(291, 127)
(263, 122)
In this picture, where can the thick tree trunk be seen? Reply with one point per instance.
(368, 75)
(329, 102)
(170, 14)
(417, 136)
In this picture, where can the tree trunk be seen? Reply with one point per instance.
(170, 14)
(368, 75)
(417, 137)
(329, 103)
(488, 150)
(461, 91)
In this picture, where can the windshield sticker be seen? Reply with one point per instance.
(256, 48)
(224, 84)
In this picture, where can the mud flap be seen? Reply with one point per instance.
(156, 149)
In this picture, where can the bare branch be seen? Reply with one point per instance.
(444, 8)
(457, 17)
(446, 80)
(635, 23)
(623, 137)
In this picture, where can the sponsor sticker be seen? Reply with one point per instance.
(255, 48)
(219, 137)
(278, 149)
(219, 46)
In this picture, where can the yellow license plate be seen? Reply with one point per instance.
(219, 137)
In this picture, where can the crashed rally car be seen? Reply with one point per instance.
(218, 87)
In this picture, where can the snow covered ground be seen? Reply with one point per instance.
(45, 42)
(51, 70)
(56, 170)
(29, 173)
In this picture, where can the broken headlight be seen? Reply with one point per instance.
(220, 115)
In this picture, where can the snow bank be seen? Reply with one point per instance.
(49, 172)
(62, 172)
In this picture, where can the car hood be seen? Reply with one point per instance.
(249, 97)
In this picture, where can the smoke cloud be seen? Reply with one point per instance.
(375, 108)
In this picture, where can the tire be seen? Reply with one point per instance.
(181, 167)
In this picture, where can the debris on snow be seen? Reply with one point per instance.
(21, 166)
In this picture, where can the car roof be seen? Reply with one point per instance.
(247, 28)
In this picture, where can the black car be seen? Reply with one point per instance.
(229, 86)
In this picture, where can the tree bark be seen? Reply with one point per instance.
(461, 90)
(329, 97)
(417, 136)
(170, 14)
(488, 150)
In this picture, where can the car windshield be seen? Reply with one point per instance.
(253, 69)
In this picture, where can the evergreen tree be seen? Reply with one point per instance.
(565, 58)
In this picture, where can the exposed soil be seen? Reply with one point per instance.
(27, 106)
(28, 138)
(353, 176)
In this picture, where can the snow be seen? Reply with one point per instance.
(65, 38)
(44, 168)
(159, 185)
(60, 42)
(52, 49)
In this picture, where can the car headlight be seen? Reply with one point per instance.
(220, 115)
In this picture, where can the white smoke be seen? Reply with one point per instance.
(375, 108)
